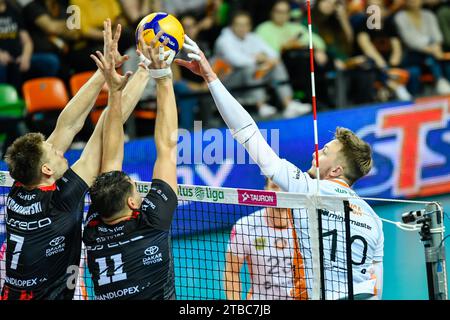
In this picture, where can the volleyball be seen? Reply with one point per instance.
(154, 22)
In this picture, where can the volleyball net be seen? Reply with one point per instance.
(248, 244)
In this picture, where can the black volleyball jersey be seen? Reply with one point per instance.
(43, 234)
(133, 258)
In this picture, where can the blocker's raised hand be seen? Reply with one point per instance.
(111, 45)
(155, 58)
(115, 81)
(198, 64)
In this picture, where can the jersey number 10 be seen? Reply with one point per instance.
(354, 238)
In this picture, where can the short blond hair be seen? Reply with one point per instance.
(356, 152)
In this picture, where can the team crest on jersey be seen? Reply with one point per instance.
(260, 243)
(281, 243)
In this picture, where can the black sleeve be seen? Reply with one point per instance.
(390, 27)
(360, 25)
(70, 191)
(16, 15)
(33, 10)
(159, 205)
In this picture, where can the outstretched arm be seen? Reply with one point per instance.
(89, 164)
(72, 118)
(238, 120)
(113, 137)
(166, 126)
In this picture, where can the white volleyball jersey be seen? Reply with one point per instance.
(272, 256)
(366, 233)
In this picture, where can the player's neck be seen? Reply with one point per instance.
(119, 217)
(339, 179)
(45, 182)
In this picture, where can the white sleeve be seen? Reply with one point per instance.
(244, 129)
(239, 240)
(379, 250)
(378, 271)
(291, 179)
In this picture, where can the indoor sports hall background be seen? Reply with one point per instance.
(401, 107)
(411, 160)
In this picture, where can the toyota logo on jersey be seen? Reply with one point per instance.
(151, 250)
(57, 241)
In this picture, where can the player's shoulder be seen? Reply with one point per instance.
(70, 179)
(162, 190)
(368, 213)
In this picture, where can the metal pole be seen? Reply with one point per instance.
(434, 252)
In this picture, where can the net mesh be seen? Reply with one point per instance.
(243, 244)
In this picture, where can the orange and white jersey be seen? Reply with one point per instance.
(271, 254)
(366, 232)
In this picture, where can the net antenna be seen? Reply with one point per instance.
(315, 225)
(313, 94)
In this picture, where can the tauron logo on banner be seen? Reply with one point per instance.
(265, 198)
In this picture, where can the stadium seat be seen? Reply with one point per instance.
(45, 94)
(221, 67)
(145, 114)
(10, 103)
(78, 80)
(45, 98)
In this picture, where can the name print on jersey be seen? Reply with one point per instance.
(27, 210)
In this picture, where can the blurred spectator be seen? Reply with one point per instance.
(419, 31)
(46, 22)
(394, 6)
(382, 46)
(16, 47)
(291, 41)
(441, 8)
(93, 14)
(187, 83)
(258, 10)
(443, 15)
(255, 63)
(432, 5)
(212, 22)
(281, 34)
(179, 7)
(332, 23)
(135, 10)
